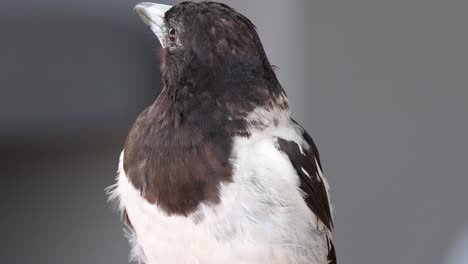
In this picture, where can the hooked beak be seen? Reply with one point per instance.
(153, 15)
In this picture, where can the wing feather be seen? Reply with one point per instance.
(303, 154)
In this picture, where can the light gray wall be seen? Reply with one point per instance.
(382, 86)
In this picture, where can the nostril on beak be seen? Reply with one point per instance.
(140, 8)
(137, 9)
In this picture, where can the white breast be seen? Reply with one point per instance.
(262, 217)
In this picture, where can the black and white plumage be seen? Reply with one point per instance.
(215, 170)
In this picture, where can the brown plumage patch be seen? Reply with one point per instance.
(174, 164)
(178, 150)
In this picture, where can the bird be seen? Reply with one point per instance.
(216, 170)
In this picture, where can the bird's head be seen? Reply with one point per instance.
(214, 68)
(205, 40)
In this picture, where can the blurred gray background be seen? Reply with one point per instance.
(382, 86)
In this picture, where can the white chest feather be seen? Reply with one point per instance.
(261, 218)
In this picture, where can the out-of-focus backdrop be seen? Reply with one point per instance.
(382, 86)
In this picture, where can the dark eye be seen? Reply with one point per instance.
(172, 34)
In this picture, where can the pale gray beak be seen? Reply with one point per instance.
(153, 15)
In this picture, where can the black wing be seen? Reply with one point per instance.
(305, 159)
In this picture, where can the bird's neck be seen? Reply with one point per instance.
(222, 94)
(230, 104)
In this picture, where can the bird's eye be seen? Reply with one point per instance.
(172, 34)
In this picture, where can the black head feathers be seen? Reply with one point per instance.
(211, 41)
